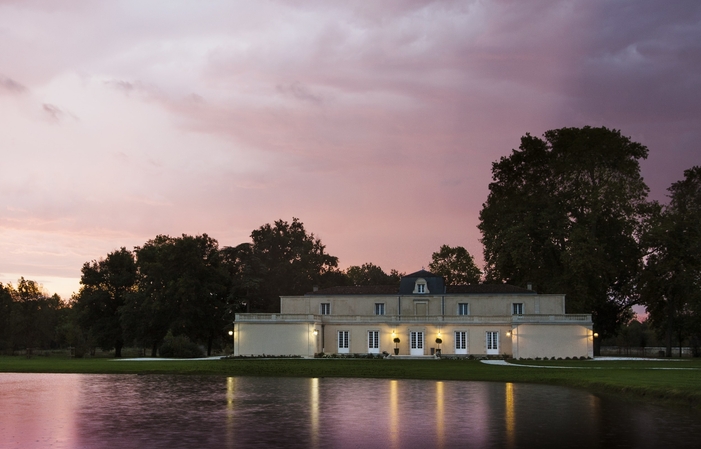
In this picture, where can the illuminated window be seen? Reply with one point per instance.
(325, 308)
(343, 342)
(463, 309)
(379, 308)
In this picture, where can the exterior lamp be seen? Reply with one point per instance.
(508, 333)
(231, 332)
(316, 332)
(596, 335)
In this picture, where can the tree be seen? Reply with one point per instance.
(671, 282)
(456, 265)
(104, 287)
(34, 316)
(370, 274)
(565, 212)
(181, 287)
(6, 334)
(290, 262)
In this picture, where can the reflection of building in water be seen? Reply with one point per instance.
(484, 319)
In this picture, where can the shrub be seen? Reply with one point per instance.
(179, 347)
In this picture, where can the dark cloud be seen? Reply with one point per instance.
(10, 85)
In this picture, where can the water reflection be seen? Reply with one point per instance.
(128, 411)
(510, 416)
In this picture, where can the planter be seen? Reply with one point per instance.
(396, 351)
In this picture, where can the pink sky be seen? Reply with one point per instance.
(375, 123)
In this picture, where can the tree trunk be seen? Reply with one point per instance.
(209, 346)
(154, 349)
(118, 349)
(668, 341)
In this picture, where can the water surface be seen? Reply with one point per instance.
(166, 411)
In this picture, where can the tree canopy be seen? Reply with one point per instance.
(671, 283)
(456, 265)
(371, 274)
(104, 286)
(565, 212)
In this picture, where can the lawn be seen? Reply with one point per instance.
(632, 378)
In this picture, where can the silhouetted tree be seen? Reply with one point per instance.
(565, 212)
(671, 282)
(456, 265)
(370, 274)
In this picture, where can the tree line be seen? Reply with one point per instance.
(568, 213)
(188, 288)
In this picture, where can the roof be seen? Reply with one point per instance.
(472, 289)
(422, 274)
(486, 288)
(358, 290)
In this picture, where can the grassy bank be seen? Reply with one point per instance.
(626, 377)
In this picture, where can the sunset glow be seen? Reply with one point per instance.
(374, 123)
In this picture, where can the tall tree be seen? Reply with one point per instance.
(286, 260)
(565, 212)
(6, 328)
(671, 282)
(181, 287)
(104, 287)
(371, 274)
(456, 265)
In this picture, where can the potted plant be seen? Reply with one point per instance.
(396, 345)
(438, 342)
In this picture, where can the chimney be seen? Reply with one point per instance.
(315, 288)
(529, 286)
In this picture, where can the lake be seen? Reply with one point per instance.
(166, 411)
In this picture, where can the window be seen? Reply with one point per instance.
(374, 342)
(460, 342)
(463, 309)
(325, 308)
(420, 286)
(492, 342)
(343, 342)
(517, 308)
(379, 308)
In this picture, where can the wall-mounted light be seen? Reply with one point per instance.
(596, 335)
(394, 333)
(231, 332)
(316, 332)
(508, 333)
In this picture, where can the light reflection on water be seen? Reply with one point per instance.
(161, 411)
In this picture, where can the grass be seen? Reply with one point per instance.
(630, 378)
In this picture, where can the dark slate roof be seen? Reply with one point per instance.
(474, 289)
(485, 289)
(422, 274)
(358, 290)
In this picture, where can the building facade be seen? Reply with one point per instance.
(425, 315)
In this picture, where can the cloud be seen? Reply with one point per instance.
(376, 123)
(10, 85)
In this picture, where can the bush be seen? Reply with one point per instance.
(179, 347)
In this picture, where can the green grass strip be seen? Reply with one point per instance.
(631, 378)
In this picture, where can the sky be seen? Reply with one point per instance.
(374, 123)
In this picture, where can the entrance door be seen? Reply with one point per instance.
(416, 343)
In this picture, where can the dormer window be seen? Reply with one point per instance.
(420, 286)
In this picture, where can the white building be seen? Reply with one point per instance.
(484, 319)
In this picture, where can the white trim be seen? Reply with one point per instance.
(343, 342)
